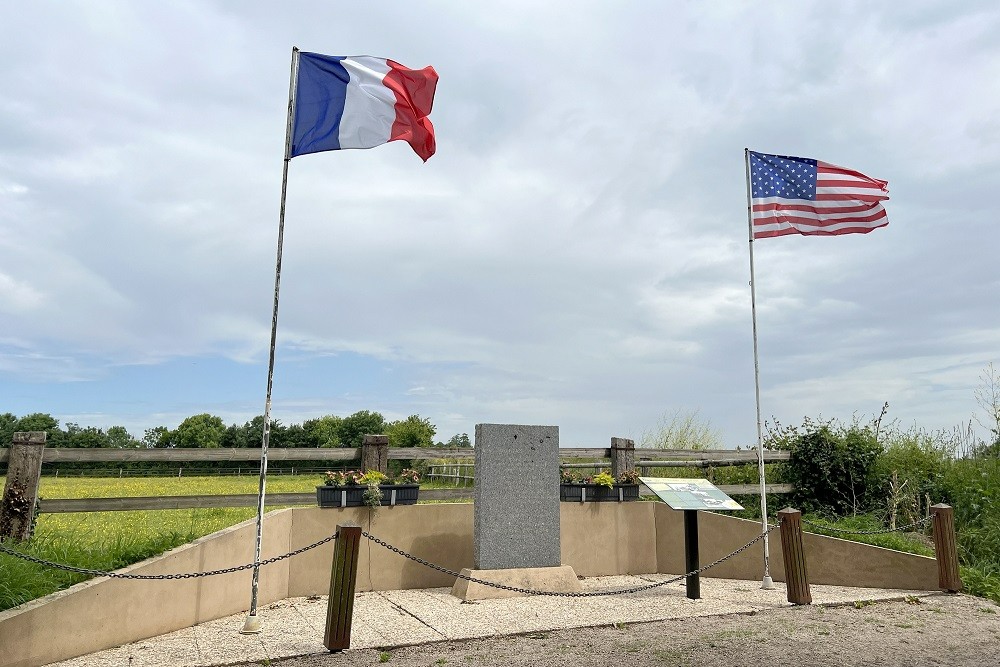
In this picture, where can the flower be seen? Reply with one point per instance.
(408, 476)
(628, 477)
(568, 477)
(342, 478)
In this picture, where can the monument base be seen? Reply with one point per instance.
(561, 579)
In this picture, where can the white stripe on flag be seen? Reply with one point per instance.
(369, 107)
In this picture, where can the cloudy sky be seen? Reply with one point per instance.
(574, 254)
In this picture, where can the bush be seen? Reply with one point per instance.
(831, 466)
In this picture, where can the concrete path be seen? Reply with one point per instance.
(388, 619)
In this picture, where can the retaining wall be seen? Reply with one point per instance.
(596, 539)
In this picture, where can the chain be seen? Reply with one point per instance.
(528, 591)
(916, 523)
(183, 575)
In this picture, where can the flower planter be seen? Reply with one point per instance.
(353, 496)
(597, 493)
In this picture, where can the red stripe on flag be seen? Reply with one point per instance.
(414, 91)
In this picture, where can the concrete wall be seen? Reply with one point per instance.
(596, 539)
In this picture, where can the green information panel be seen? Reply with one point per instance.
(690, 494)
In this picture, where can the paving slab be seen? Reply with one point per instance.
(389, 619)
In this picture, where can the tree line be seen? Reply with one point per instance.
(207, 430)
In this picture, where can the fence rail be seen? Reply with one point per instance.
(58, 506)
(76, 455)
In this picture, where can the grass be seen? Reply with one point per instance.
(111, 540)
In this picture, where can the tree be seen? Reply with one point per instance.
(682, 430)
(120, 438)
(41, 421)
(86, 438)
(157, 437)
(324, 432)
(202, 430)
(459, 440)
(8, 424)
(988, 397)
(361, 423)
(411, 432)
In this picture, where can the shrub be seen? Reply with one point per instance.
(831, 466)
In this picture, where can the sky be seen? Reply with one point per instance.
(575, 254)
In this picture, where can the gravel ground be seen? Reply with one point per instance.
(954, 630)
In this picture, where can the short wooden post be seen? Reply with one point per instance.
(622, 456)
(375, 453)
(946, 548)
(340, 607)
(794, 555)
(17, 509)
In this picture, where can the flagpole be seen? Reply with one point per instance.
(252, 624)
(767, 583)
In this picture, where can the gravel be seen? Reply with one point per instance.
(954, 630)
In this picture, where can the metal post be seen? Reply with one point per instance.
(794, 555)
(946, 548)
(340, 606)
(252, 624)
(766, 583)
(691, 557)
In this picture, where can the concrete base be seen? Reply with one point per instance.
(561, 579)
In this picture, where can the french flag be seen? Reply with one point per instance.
(361, 102)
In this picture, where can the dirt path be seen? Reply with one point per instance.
(953, 630)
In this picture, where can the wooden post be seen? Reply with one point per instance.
(375, 453)
(622, 456)
(340, 607)
(17, 509)
(794, 555)
(946, 548)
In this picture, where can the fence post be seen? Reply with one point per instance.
(946, 548)
(340, 607)
(622, 456)
(794, 556)
(375, 453)
(17, 509)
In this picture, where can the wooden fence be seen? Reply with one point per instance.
(645, 458)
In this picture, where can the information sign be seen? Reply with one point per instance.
(690, 494)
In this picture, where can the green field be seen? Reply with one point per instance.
(110, 540)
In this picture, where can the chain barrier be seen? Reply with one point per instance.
(588, 594)
(882, 531)
(183, 575)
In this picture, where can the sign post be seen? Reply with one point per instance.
(690, 495)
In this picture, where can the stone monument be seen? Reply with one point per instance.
(516, 513)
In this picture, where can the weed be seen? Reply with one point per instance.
(988, 610)
(913, 599)
(620, 626)
(861, 604)
(384, 656)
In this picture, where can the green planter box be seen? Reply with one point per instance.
(353, 496)
(598, 493)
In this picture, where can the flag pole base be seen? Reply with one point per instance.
(251, 626)
(767, 584)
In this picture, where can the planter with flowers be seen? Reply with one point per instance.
(601, 487)
(353, 488)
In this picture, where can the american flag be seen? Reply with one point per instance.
(795, 195)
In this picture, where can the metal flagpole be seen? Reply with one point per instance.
(767, 582)
(252, 624)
